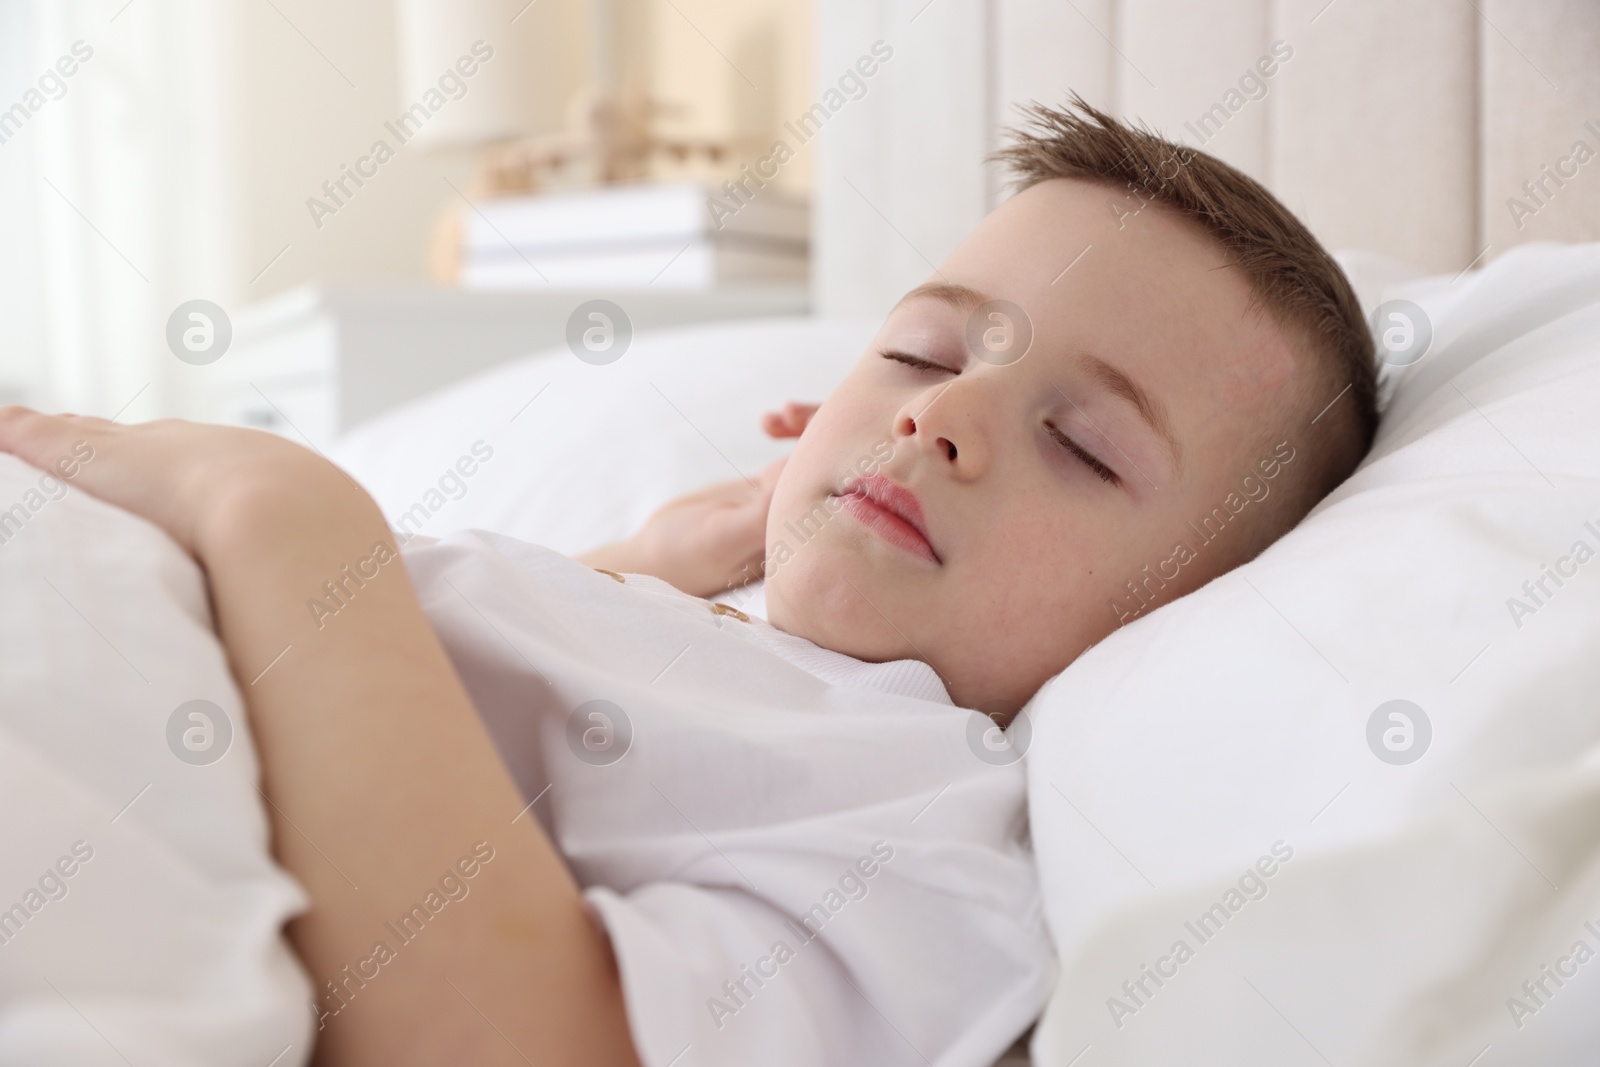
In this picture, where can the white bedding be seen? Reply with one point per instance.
(163, 944)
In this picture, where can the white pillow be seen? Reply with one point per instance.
(581, 454)
(151, 912)
(1419, 896)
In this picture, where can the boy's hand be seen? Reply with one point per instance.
(713, 540)
(705, 543)
(182, 476)
(789, 422)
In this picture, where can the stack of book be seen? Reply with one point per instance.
(684, 235)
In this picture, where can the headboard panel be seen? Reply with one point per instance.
(1406, 127)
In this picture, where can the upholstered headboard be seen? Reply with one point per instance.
(1439, 132)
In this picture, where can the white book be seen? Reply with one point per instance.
(623, 215)
(700, 265)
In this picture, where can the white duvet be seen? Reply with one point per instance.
(143, 914)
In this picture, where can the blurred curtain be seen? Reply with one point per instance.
(175, 164)
(22, 326)
(110, 190)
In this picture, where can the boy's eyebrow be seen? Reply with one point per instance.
(960, 297)
(965, 298)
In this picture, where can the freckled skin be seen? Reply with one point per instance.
(1034, 545)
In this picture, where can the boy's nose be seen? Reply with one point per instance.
(948, 426)
(937, 443)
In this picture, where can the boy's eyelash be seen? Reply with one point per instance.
(1106, 473)
(915, 361)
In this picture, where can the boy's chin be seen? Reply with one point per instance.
(836, 599)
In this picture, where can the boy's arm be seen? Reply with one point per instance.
(379, 774)
(710, 541)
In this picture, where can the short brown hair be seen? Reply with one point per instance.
(1293, 277)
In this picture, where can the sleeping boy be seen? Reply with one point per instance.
(700, 838)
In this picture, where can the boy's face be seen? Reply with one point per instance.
(1023, 494)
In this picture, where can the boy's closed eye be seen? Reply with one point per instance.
(1105, 473)
(918, 362)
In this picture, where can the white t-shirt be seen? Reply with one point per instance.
(800, 858)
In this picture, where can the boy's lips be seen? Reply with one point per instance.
(892, 512)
